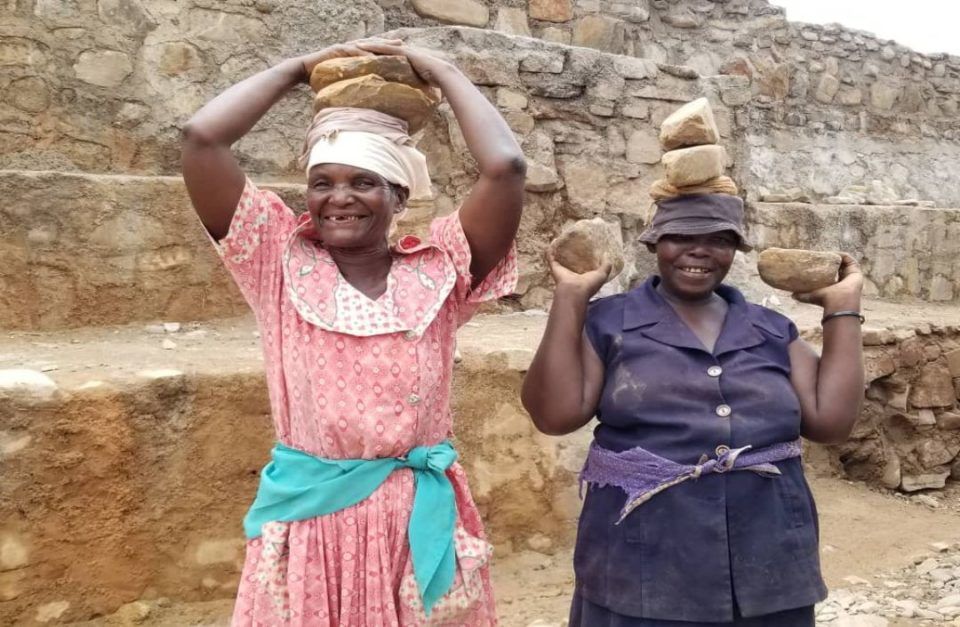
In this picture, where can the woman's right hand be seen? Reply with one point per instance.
(586, 284)
(347, 49)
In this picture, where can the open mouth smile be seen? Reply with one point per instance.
(695, 270)
(343, 219)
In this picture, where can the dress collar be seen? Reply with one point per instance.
(420, 279)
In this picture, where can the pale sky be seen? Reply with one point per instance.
(925, 25)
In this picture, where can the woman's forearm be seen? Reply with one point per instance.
(487, 135)
(231, 115)
(553, 389)
(840, 377)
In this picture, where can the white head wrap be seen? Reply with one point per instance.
(400, 164)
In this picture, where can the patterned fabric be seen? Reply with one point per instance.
(338, 390)
(642, 474)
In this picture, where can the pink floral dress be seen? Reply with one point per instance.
(352, 377)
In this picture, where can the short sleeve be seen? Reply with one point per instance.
(447, 234)
(598, 324)
(251, 249)
(792, 332)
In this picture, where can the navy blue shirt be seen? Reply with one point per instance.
(694, 548)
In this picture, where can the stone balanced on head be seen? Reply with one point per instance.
(384, 83)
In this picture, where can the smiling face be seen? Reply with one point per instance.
(692, 266)
(351, 207)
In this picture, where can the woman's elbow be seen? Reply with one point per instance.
(829, 434)
(509, 166)
(193, 134)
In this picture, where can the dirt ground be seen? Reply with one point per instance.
(865, 533)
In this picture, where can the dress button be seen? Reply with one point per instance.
(714, 371)
(410, 335)
(723, 449)
(723, 410)
(413, 399)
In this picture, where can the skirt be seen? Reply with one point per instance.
(583, 613)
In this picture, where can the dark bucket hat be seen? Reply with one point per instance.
(697, 214)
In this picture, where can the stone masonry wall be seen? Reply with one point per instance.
(587, 121)
(104, 85)
(908, 435)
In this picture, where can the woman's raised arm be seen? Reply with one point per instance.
(491, 213)
(830, 387)
(563, 384)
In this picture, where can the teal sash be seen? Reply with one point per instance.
(296, 486)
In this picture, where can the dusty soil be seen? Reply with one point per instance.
(865, 533)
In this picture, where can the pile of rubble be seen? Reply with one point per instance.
(928, 592)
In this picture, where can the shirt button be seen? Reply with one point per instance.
(410, 335)
(714, 371)
(723, 449)
(413, 399)
(723, 410)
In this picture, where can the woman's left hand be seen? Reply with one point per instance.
(427, 65)
(842, 295)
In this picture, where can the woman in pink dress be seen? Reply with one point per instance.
(363, 517)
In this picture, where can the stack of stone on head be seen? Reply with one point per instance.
(384, 83)
(693, 161)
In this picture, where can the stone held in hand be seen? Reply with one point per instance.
(692, 166)
(586, 244)
(797, 270)
(411, 104)
(690, 125)
(394, 69)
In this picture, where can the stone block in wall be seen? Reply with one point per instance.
(599, 32)
(489, 67)
(634, 68)
(586, 186)
(513, 21)
(550, 10)
(933, 388)
(466, 12)
(953, 362)
(884, 95)
(684, 18)
(643, 146)
(924, 481)
(556, 35)
(877, 364)
(948, 421)
(827, 88)
(933, 453)
(103, 68)
(772, 79)
(543, 61)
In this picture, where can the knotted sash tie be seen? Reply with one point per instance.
(642, 474)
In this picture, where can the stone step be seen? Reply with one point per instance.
(137, 451)
(79, 250)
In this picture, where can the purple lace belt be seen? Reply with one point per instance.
(642, 475)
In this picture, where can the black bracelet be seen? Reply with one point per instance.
(840, 314)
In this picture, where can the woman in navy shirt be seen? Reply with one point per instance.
(697, 511)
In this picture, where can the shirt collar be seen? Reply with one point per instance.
(646, 310)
